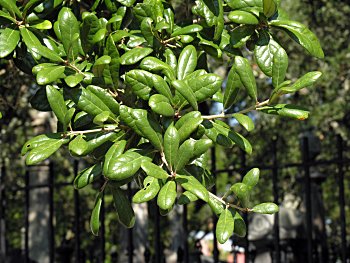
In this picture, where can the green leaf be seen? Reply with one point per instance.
(74, 80)
(39, 140)
(240, 228)
(147, 30)
(225, 226)
(187, 62)
(308, 80)
(154, 170)
(57, 103)
(88, 176)
(217, 134)
(141, 82)
(242, 17)
(95, 215)
(188, 124)
(127, 3)
(252, 177)
(239, 4)
(183, 88)
(191, 184)
(246, 75)
(201, 146)
(87, 101)
(287, 110)
(242, 192)
(233, 86)
(167, 195)
(302, 35)
(155, 65)
(34, 45)
(269, 7)
(161, 105)
(11, 6)
(50, 74)
(124, 166)
(187, 30)
(111, 73)
(240, 35)
(186, 198)
(135, 55)
(89, 28)
(70, 32)
(106, 97)
(125, 213)
(216, 206)
(9, 39)
(170, 58)
(44, 151)
(150, 189)
(245, 121)
(78, 146)
(185, 154)
(114, 152)
(205, 86)
(171, 145)
(98, 139)
(279, 67)
(265, 208)
(42, 25)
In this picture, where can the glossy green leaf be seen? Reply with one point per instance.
(111, 72)
(184, 89)
(87, 101)
(287, 110)
(191, 184)
(114, 152)
(88, 176)
(9, 39)
(127, 3)
(309, 79)
(171, 145)
(269, 7)
(101, 118)
(124, 166)
(188, 124)
(167, 195)
(106, 97)
(89, 28)
(239, 4)
(34, 45)
(246, 75)
(98, 139)
(7, 16)
(240, 228)
(186, 198)
(205, 86)
(70, 32)
(243, 17)
(39, 140)
(150, 189)
(155, 65)
(187, 62)
(42, 25)
(135, 55)
(240, 35)
(224, 226)
(279, 67)
(252, 177)
(187, 30)
(233, 86)
(170, 58)
(245, 121)
(147, 30)
(302, 35)
(74, 80)
(154, 170)
(265, 208)
(57, 103)
(185, 154)
(217, 134)
(201, 146)
(216, 206)
(50, 74)
(78, 146)
(141, 82)
(125, 213)
(44, 151)
(11, 6)
(161, 105)
(242, 192)
(95, 215)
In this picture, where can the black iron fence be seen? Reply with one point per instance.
(309, 247)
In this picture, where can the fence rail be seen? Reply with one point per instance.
(277, 250)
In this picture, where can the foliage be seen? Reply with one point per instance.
(129, 87)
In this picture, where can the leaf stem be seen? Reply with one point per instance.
(223, 115)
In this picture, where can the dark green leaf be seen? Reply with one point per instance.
(242, 192)
(188, 124)
(225, 226)
(171, 145)
(252, 177)
(155, 65)
(50, 74)
(245, 121)
(87, 176)
(191, 184)
(57, 103)
(246, 75)
(185, 154)
(141, 82)
(135, 55)
(287, 110)
(302, 35)
(279, 67)
(216, 205)
(187, 62)
(114, 152)
(240, 35)
(240, 228)
(233, 86)
(161, 105)
(205, 86)
(150, 189)
(74, 80)
(88, 30)
(95, 215)
(78, 146)
(309, 79)
(242, 17)
(265, 208)
(187, 30)
(10, 5)
(269, 7)
(186, 198)
(126, 215)
(184, 89)
(9, 39)
(39, 140)
(106, 97)
(154, 170)
(167, 195)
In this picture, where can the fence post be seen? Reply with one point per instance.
(51, 213)
(341, 198)
(77, 216)
(307, 179)
(276, 227)
(185, 234)
(215, 220)
(245, 216)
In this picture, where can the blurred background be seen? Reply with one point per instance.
(304, 168)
